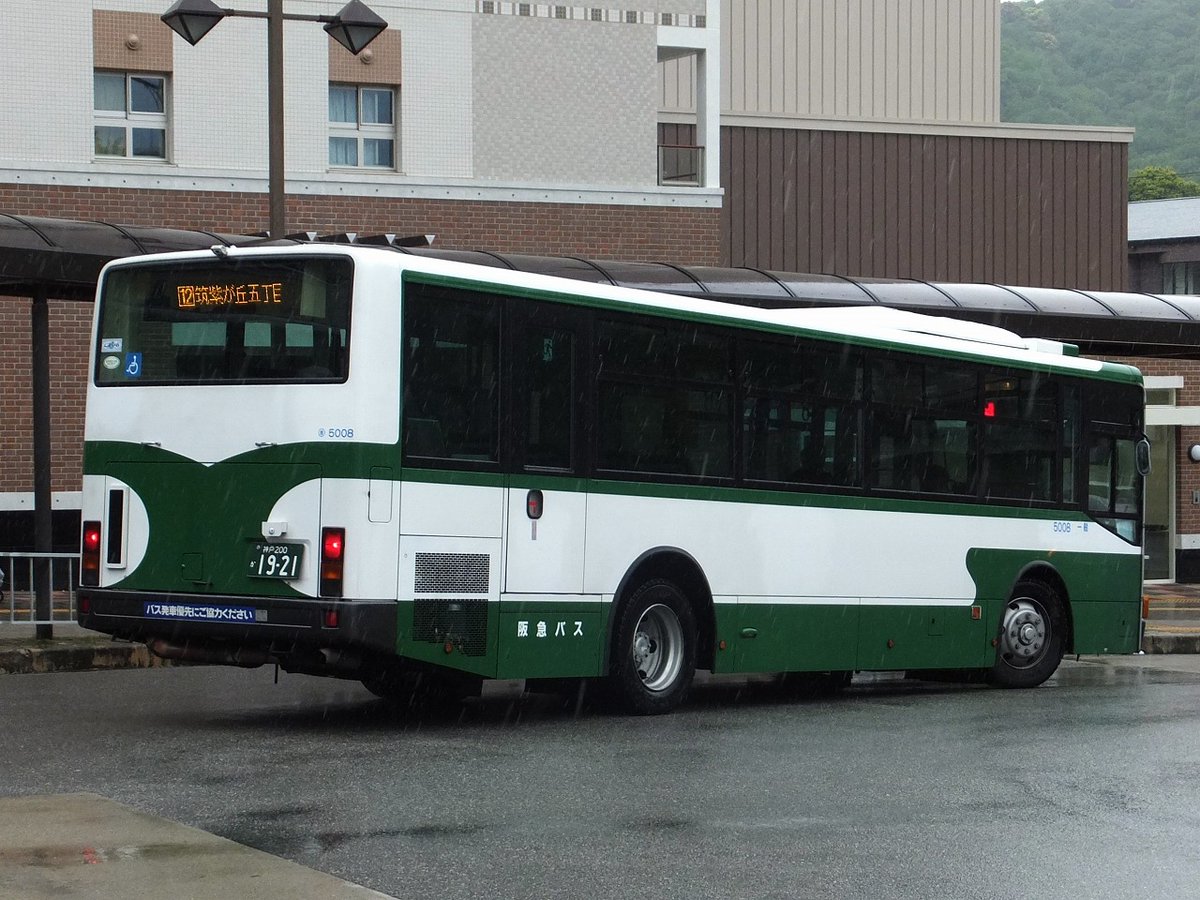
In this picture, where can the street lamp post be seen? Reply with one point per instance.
(355, 26)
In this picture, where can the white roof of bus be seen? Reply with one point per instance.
(933, 333)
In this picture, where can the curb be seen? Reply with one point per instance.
(76, 656)
(1171, 643)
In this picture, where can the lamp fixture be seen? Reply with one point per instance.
(355, 26)
(193, 19)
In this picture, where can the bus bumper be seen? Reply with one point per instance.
(297, 634)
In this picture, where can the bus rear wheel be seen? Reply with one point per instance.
(1032, 634)
(654, 658)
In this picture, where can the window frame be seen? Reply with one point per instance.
(130, 120)
(362, 132)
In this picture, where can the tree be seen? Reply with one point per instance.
(1160, 183)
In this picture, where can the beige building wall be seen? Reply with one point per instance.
(592, 89)
(903, 60)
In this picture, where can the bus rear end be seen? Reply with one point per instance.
(239, 449)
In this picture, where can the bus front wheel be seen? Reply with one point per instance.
(654, 658)
(1032, 634)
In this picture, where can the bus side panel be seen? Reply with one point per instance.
(450, 571)
(551, 637)
(915, 636)
(775, 636)
(1104, 590)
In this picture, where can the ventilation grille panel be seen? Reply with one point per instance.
(452, 573)
(459, 622)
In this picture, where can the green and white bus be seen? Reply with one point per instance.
(356, 462)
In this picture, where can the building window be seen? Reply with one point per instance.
(1181, 278)
(362, 126)
(523, 9)
(560, 12)
(631, 17)
(489, 6)
(597, 15)
(130, 115)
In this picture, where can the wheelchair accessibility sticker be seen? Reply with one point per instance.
(133, 365)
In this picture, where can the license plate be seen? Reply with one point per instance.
(276, 560)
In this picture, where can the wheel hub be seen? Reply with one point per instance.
(644, 647)
(1025, 630)
(657, 647)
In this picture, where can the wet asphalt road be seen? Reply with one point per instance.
(1086, 787)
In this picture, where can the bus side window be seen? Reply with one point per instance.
(665, 398)
(924, 429)
(799, 417)
(451, 378)
(1020, 414)
(548, 405)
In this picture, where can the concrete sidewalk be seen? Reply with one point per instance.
(1173, 618)
(86, 846)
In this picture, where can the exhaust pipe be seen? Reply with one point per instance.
(245, 657)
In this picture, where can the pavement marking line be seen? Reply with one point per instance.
(85, 845)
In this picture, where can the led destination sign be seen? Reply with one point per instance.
(192, 296)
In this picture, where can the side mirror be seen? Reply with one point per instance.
(1141, 456)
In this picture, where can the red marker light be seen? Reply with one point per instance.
(989, 409)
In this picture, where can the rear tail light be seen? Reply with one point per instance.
(333, 554)
(89, 567)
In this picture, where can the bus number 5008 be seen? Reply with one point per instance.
(1062, 527)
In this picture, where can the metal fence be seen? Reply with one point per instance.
(21, 601)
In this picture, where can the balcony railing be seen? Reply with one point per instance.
(680, 165)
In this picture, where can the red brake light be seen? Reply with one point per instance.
(89, 562)
(989, 409)
(333, 551)
(331, 543)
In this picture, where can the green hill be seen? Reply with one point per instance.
(1108, 62)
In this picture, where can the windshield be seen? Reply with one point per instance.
(225, 321)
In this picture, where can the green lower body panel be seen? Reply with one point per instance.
(506, 639)
(780, 637)
(538, 640)
(1106, 627)
(833, 637)
(1103, 592)
(923, 637)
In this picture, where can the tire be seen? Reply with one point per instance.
(1033, 630)
(654, 655)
